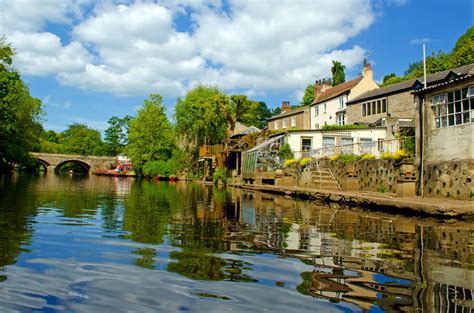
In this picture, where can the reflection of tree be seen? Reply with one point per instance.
(147, 259)
(17, 208)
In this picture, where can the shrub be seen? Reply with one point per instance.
(335, 157)
(221, 174)
(367, 156)
(285, 152)
(387, 156)
(159, 168)
(304, 161)
(400, 154)
(289, 162)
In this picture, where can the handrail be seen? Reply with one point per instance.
(334, 178)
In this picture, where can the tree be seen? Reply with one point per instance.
(80, 139)
(199, 118)
(308, 96)
(20, 115)
(337, 70)
(238, 108)
(391, 79)
(463, 51)
(150, 134)
(116, 134)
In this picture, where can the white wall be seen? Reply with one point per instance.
(294, 139)
(327, 117)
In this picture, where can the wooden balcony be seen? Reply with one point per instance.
(211, 151)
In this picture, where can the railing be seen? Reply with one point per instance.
(375, 148)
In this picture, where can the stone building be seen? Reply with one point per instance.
(445, 135)
(288, 118)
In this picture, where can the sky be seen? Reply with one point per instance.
(90, 60)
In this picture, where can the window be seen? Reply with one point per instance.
(453, 108)
(275, 124)
(366, 144)
(293, 121)
(283, 123)
(380, 142)
(374, 107)
(329, 141)
(324, 107)
(341, 119)
(306, 144)
(341, 103)
(347, 145)
(316, 126)
(316, 110)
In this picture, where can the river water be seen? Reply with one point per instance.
(102, 244)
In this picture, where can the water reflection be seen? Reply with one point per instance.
(268, 248)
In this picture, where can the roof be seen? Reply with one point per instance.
(337, 90)
(408, 84)
(283, 114)
(444, 83)
(248, 130)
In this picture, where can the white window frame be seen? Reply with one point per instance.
(275, 124)
(293, 121)
(455, 112)
(283, 123)
(341, 102)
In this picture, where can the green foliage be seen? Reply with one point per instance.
(80, 139)
(159, 168)
(199, 118)
(289, 162)
(463, 51)
(285, 152)
(407, 136)
(345, 158)
(308, 96)
(221, 174)
(116, 134)
(19, 115)
(150, 134)
(382, 188)
(347, 126)
(391, 79)
(337, 71)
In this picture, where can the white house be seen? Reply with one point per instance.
(329, 105)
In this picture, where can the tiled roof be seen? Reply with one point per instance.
(295, 111)
(408, 84)
(337, 90)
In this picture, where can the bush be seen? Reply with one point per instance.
(345, 158)
(221, 174)
(304, 161)
(285, 152)
(289, 162)
(159, 168)
(398, 155)
(367, 156)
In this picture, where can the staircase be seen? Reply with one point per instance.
(323, 179)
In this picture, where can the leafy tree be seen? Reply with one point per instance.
(275, 111)
(391, 79)
(434, 63)
(19, 115)
(150, 134)
(238, 108)
(308, 96)
(80, 139)
(116, 134)
(463, 51)
(338, 75)
(199, 118)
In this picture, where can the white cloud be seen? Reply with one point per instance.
(419, 41)
(134, 49)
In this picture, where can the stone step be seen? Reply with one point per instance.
(323, 179)
(328, 175)
(326, 185)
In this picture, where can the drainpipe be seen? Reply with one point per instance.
(422, 121)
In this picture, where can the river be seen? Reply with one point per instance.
(102, 244)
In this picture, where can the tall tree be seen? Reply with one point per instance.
(80, 139)
(150, 134)
(308, 96)
(19, 114)
(199, 119)
(116, 134)
(338, 75)
(463, 51)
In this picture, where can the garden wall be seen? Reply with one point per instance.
(450, 179)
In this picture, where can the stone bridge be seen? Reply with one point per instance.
(52, 161)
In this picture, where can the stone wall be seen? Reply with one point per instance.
(375, 175)
(451, 179)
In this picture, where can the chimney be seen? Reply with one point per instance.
(366, 70)
(320, 86)
(285, 106)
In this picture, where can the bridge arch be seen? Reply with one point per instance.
(45, 164)
(83, 164)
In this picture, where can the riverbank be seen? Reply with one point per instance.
(414, 206)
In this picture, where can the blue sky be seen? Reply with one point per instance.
(90, 60)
